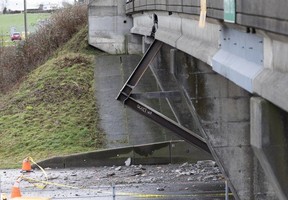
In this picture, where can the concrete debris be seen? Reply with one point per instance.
(118, 168)
(190, 179)
(137, 172)
(73, 174)
(88, 177)
(128, 162)
(202, 171)
(110, 174)
(208, 178)
(184, 164)
(206, 163)
(53, 177)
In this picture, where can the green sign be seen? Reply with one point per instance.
(229, 11)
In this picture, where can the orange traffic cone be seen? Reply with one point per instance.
(15, 189)
(26, 165)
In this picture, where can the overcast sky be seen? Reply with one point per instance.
(19, 4)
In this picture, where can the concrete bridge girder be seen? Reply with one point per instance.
(272, 82)
(180, 31)
(145, 24)
(263, 74)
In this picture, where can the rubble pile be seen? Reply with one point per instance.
(202, 171)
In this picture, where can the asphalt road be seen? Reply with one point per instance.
(186, 181)
(193, 191)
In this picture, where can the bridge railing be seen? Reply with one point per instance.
(266, 15)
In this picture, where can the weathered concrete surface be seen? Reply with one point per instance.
(142, 24)
(180, 31)
(123, 126)
(108, 25)
(217, 102)
(272, 82)
(272, 85)
(269, 126)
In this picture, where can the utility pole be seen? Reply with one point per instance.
(25, 19)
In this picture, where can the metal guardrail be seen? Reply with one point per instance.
(269, 16)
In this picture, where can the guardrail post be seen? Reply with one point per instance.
(226, 191)
(113, 191)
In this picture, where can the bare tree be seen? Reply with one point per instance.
(3, 5)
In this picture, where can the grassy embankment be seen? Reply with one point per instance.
(8, 21)
(54, 111)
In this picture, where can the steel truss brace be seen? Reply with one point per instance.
(125, 97)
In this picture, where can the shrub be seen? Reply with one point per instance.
(19, 60)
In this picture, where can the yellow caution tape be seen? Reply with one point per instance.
(46, 176)
(138, 195)
(171, 195)
(31, 198)
(32, 180)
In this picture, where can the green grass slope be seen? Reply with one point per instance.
(54, 111)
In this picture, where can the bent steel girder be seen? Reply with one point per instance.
(125, 97)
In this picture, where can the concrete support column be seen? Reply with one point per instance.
(173, 66)
(269, 136)
(134, 44)
(108, 25)
(222, 112)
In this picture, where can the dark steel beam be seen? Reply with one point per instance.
(141, 67)
(161, 119)
(153, 95)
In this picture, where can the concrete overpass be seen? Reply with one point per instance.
(228, 61)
